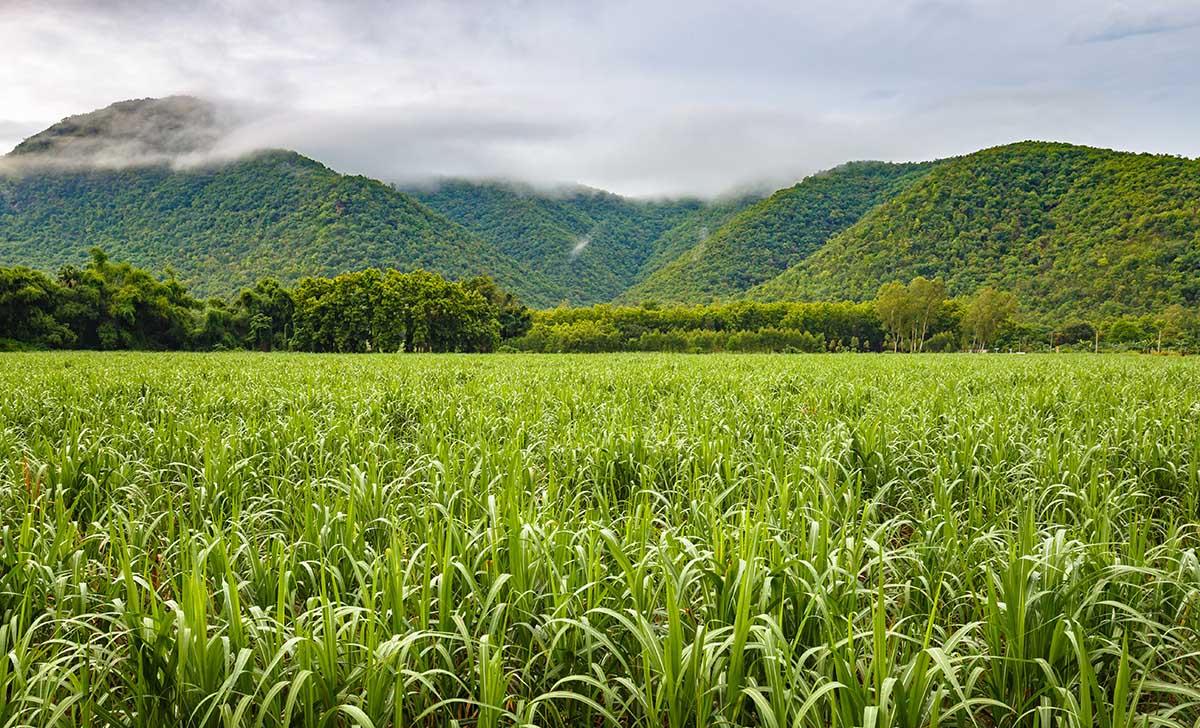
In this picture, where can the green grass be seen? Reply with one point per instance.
(633, 540)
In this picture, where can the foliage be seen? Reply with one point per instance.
(108, 305)
(986, 312)
(1071, 231)
(591, 244)
(222, 228)
(391, 311)
(765, 239)
(632, 540)
(739, 326)
(29, 301)
(907, 312)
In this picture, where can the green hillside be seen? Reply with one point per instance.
(221, 228)
(1067, 228)
(763, 240)
(593, 244)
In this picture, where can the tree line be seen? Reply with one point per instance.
(114, 305)
(915, 317)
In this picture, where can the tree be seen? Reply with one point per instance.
(1075, 332)
(1175, 325)
(265, 315)
(111, 305)
(28, 303)
(1126, 330)
(894, 307)
(515, 317)
(986, 313)
(925, 298)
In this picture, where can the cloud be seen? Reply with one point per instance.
(1122, 21)
(646, 98)
(12, 132)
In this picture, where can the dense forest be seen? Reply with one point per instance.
(593, 244)
(221, 228)
(114, 305)
(1074, 233)
(767, 238)
(1066, 228)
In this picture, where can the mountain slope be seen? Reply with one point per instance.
(763, 240)
(85, 182)
(593, 244)
(139, 131)
(1067, 228)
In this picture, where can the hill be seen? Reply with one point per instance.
(220, 227)
(1069, 229)
(139, 131)
(763, 240)
(592, 243)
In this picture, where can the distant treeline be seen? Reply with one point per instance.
(112, 305)
(915, 317)
(108, 305)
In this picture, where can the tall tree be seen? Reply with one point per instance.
(894, 307)
(988, 310)
(925, 298)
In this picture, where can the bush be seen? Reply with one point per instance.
(943, 341)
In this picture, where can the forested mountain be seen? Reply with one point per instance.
(221, 228)
(763, 240)
(139, 131)
(1070, 230)
(1067, 228)
(594, 244)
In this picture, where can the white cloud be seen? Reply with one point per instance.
(638, 97)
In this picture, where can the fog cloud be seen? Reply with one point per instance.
(643, 98)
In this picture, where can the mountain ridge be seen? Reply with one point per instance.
(1066, 227)
(766, 238)
(272, 213)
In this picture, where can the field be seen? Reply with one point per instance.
(633, 540)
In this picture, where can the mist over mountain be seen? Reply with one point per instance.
(156, 182)
(137, 132)
(767, 238)
(592, 243)
(143, 179)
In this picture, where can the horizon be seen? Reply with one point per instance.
(644, 101)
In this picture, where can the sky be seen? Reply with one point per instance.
(642, 98)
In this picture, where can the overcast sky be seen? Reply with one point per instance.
(642, 98)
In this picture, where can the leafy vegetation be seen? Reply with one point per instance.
(641, 541)
(740, 326)
(1076, 234)
(767, 238)
(593, 245)
(221, 228)
(1072, 231)
(107, 305)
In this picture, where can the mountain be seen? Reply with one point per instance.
(1071, 230)
(220, 227)
(140, 131)
(592, 243)
(1067, 228)
(763, 240)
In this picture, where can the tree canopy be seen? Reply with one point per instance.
(1071, 231)
(110, 305)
